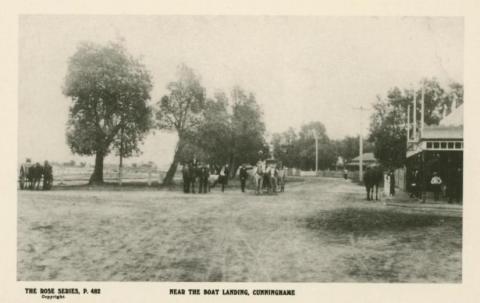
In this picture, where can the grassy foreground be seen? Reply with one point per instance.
(317, 231)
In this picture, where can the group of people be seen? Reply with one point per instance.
(208, 176)
(205, 175)
(271, 177)
(452, 189)
(33, 175)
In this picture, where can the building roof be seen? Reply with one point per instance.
(455, 118)
(367, 157)
(442, 132)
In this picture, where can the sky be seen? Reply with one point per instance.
(300, 68)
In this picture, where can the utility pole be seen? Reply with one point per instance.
(414, 115)
(422, 113)
(360, 164)
(407, 125)
(120, 166)
(315, 135)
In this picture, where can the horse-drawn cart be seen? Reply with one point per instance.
(269, 175)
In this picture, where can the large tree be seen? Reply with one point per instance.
(285, 148)
(231, 130)
(306, 147)
(109, 90)
(181, 111)
(248, 128)
(213, 137)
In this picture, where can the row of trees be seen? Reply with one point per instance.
(111, 111)
(297, 149)
(219, 130)
(388, 122)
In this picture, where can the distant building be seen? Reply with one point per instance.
(368, 160)
(340, 163)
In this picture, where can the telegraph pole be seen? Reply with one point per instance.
(360, 164)
(422, 113)
(315, 135)
(120, 166)
(414, 114)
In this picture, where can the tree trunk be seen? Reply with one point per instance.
(234, 168)
(168, 180)
(97, 176)
(231, 164)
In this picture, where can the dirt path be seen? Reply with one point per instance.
(169, 236)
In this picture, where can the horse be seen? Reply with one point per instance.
(213, 180)
(256, 175)
(34, 175)
(372, 178)
(272, 179)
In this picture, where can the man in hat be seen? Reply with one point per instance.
(204, 175)
(436, 183)
(243, 176)
(47, 176)
(261, 172)
(186, 177)
(223, 176)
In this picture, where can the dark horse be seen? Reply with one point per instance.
(372, 178)
(34, 175)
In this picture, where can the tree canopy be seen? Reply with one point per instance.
(109, 90)
(181, 111)
(298, 149)
(388, 122)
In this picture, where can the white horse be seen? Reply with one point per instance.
(257, 174)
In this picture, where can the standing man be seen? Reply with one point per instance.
(260, 173)
(47, 176)
(243, 176)
(204, 174)
(415, 184)
(454, 185)
(193, 173)
(186, 178)
(223, 178)
(436, 183)
(392, 183)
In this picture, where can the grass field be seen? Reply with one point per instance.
(320, 230)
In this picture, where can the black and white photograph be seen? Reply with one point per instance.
(235, 148)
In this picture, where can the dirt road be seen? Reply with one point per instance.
(320, 230)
